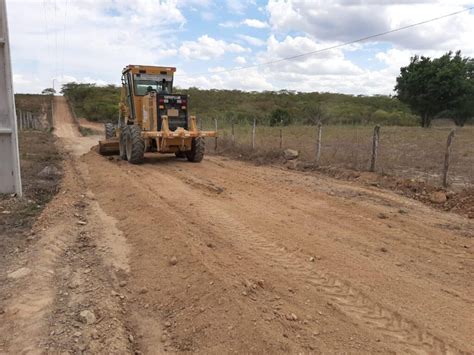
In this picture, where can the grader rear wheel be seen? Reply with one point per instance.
(196, 153)
(109, 130)
(134, 145)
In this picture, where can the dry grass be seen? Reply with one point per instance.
(409, 152)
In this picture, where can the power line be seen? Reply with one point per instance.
(55, 39)
(47, 34)
(331, 47)
(64, 40)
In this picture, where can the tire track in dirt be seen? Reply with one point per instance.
(402, 332)
(196, 203)
(402, 234)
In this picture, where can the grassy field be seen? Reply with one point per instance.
(410, 152)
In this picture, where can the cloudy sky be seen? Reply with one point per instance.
(92, 40)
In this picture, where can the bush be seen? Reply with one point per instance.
(280, 117)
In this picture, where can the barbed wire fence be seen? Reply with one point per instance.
(440, 155)
(27, 120)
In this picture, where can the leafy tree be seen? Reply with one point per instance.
(431, 86)
(280, 117)
(48, 91)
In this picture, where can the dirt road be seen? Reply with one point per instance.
(224, 256)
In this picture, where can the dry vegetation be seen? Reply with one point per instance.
(37, 152)
(409, 152)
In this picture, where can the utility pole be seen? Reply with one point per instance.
(10, 180)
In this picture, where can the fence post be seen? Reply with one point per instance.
(318, 142)
(233, 133)
(281, 138)
(215, 139)
(253, 132)
(375, 147)
(446, 157)
(20, 121)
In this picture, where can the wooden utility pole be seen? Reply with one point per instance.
(375, 147)
(446, 157)
(10, 180)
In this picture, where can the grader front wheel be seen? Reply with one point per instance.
(123, 142)
(196, 153)
(135, 145)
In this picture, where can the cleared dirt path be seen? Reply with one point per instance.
(271, 260)
(227, 257)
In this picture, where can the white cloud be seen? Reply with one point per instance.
(346, 20)
(253, 41)
(254, 23)
(19, 79)
(238, 6)
(240, 60)
(95, 41)
(229, 24)
(249, 80)
(103, 36)
(328, 62)
(207, 48)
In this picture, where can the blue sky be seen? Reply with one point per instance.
(92, 40)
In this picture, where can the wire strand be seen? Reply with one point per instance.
(64, 40)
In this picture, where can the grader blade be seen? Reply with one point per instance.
(109, 146)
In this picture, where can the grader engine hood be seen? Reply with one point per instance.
(175, 107)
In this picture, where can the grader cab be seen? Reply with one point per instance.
(152, 118)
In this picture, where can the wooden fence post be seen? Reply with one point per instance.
(281, 138)
(253, 132)
(20, 122)
(215, 139)
(446, 157)
(233, 133)
(375, 147)
(318, 143)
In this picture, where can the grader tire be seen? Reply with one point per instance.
(196, 153)
(109, 130)
(135, 145)
(123, 142)
(180, 155)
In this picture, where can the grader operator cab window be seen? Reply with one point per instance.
(145, 83)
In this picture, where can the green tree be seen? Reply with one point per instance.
(280, 117)
(48, 91)
(431, 86)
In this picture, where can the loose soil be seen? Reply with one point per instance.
(228, 257)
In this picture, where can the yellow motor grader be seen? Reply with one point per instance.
(152, 118)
